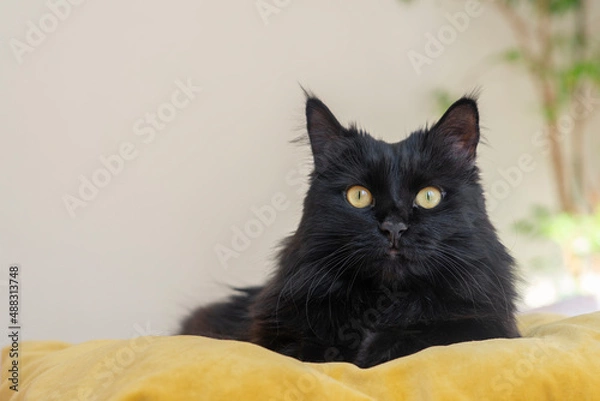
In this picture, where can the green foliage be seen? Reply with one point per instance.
(580, 71)
(586, 69)
(443, 100)
(578, 232)
(575, 74)
(511, 55)
(563, 6)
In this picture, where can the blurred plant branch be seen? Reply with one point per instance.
(555, 47)
(553, 44)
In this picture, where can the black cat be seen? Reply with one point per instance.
(394, 252)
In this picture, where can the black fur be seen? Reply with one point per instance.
(343, 290)
(228, 320)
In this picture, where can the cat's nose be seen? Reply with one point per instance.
(393, 230)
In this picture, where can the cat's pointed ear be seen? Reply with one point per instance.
(324, 130)
(458, 129)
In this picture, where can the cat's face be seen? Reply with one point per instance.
(402, 211)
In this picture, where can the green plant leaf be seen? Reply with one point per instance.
(578, 232)
(443, 99)
(511, 55)
(563, 6)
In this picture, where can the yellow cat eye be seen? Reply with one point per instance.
(429, 197)
(359, 197)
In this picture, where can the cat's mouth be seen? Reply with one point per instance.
(393, 251)
(399, 252)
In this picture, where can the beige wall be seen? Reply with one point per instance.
(141, 253)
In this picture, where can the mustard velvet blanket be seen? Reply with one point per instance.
(558, 359)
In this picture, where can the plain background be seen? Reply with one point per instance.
(141, 254)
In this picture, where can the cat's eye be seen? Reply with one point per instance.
(429, 197)
(359, 196)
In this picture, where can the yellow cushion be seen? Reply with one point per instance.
(558, 359)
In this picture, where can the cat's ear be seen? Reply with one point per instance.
(324, 131)
(458, 129)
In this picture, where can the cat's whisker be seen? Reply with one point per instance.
(462, 265)
(340, 265)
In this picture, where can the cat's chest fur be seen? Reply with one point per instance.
(348, 322)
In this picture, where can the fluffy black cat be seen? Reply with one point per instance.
(394, 252)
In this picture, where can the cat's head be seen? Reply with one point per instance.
(411, 211)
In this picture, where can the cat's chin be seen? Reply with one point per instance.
(391, 265)
(397, 264)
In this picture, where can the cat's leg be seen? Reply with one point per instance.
(387, 345)
(390, 344)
